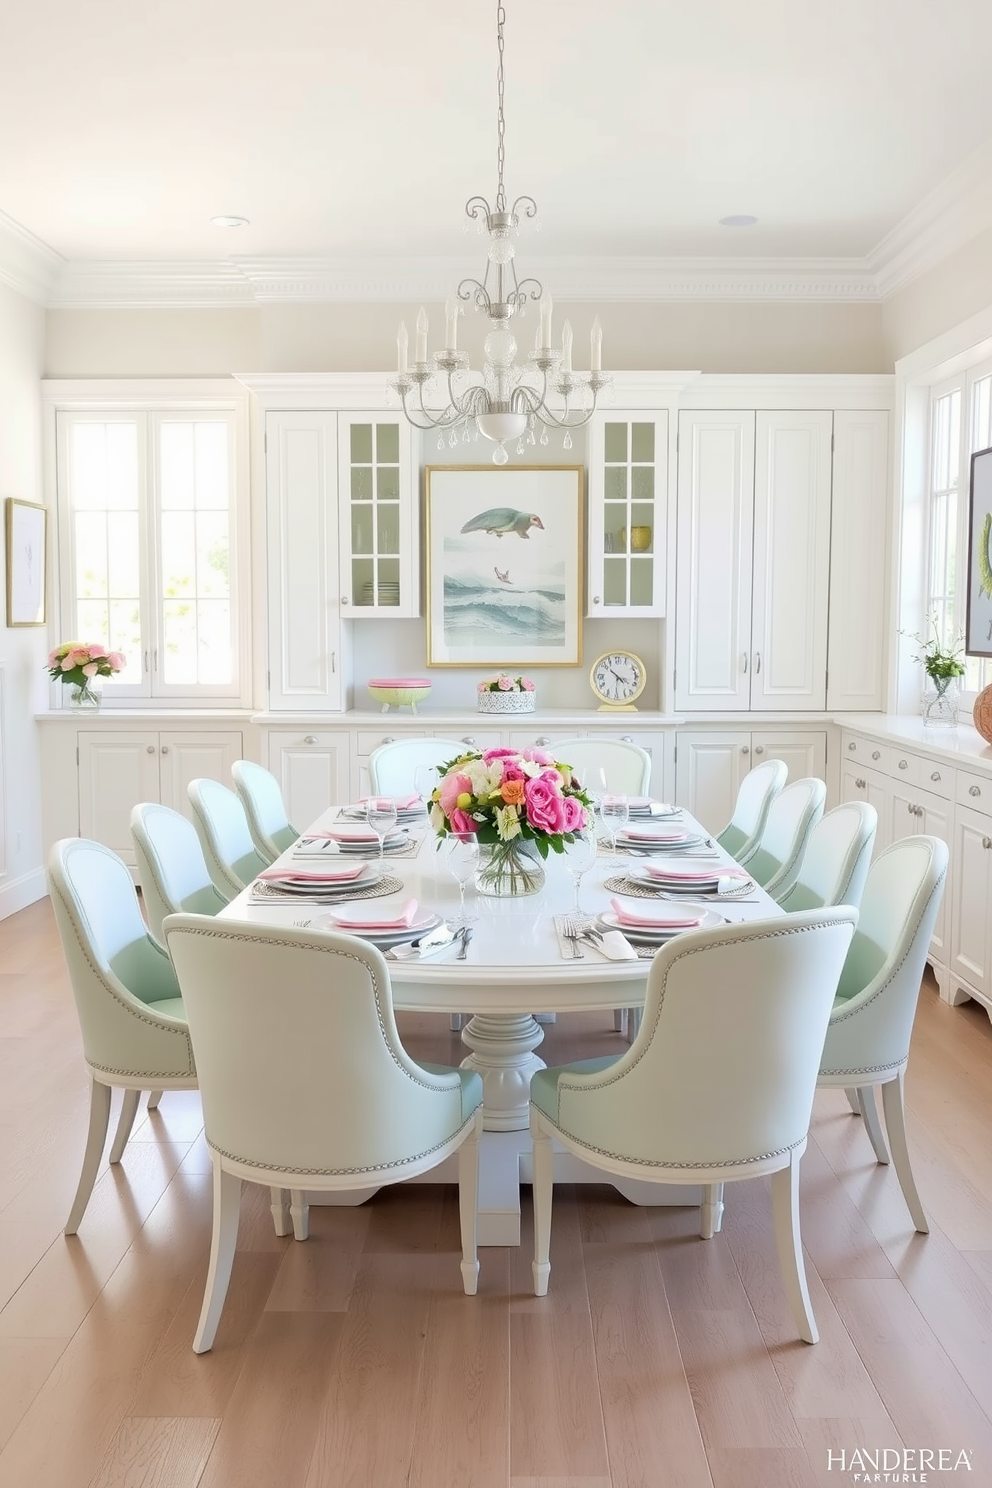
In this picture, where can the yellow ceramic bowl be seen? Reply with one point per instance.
(399, 692)
(640, 539)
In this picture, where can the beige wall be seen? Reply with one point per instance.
(956, 289)
(362, 338)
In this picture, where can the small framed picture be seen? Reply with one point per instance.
(978, 614)
(26, 532)
(504, 565)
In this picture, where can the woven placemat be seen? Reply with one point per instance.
(266, 893)
(621, 884)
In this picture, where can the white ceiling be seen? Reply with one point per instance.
(344, 130)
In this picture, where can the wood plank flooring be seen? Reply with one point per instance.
(656, 1358)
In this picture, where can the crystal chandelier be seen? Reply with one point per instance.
(507, 401)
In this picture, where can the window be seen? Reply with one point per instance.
(148, 546)
(960, 423)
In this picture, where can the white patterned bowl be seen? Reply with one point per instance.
(507, 702)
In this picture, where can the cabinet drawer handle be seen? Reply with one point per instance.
(757, 662)
(987, 843)
(904, 764)
(876, 754)
(911, 809)
(309, 738)
(759, 749)
(165, 748)
(745, 749)
(974, 790)
(744, 662)
(935, 775)
(469, 741)
(627, 738)
(150, 749)
(542, 741)
(860, 784)
(344, 599)
(595, 599)
(389, 739)
(852, 745)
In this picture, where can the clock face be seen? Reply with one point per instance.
(618, 677)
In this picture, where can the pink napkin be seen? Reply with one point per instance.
(402, 803)
(313, 875)
(657, 921)
(346, 834)
(402, 921)
(692, 875)
(651, 834)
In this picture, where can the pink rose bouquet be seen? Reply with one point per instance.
(509, 796)
(505, 683)
(78, 662)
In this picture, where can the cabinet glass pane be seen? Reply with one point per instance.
(615, 483)
(615, 443)
(641, 528)
(642, 442)
(389, 582)
(387, 483)
(361, 483)
(387, 444)
(614, 523)
(388, 529)
(642, 483)
(615, 581)
(641, 581)
(362, 575)
(361, 529)
(361, 444)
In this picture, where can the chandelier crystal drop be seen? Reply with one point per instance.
(504, 400)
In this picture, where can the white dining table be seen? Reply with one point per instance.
(513, 968)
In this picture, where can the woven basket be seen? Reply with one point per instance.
(506, 702)
(983, 713)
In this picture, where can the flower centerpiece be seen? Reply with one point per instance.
(520, 804)
(78, 665)
(943, 666)
(506, 694)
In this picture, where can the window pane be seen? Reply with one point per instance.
(195, 552)
(103, 487)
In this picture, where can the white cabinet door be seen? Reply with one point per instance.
(302, 542)
(709, 768)
(313, 770)
(628, 491)
(804, 751)
(791, 565)
(378, 511)
(971, 873)
(714, 542)
(853, 785)
(193, 756)
(901, 818)
(933, 818)
(115, 772)
(858, 561)
(877, 795)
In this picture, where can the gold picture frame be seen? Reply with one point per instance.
(504, 565)
(26, 536)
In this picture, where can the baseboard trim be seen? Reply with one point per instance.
(18, 893)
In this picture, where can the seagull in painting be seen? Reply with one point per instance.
(503, 519)
(504, 578)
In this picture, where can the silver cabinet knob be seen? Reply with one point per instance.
(388, 739)
(469, 741)
(852, 745)
(627, 738)
(935, 775)
(911, 809)
(860, 784)
(876, 754)
(904, 764)
(542, 740)
(309, 738)
(344, 599)
(595, 599)
(165, 748)
(974, 790)
(744, 662)
(151, 749)
(759, 749)
(987, 843)
(745, 749)
(757, 662)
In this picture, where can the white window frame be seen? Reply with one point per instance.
(156, 399)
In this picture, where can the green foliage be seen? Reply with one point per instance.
(940, 664)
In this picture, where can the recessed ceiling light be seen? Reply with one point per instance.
(229, 222)
(742, 220)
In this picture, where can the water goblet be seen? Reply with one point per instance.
(616, 814)
(580, 854)
(380, 813)
(425, 783)
(461, 853)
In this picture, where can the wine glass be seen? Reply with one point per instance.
(380, 813)
(616, 814)
(596, 789)
(425, 783)
(461, 853)
(580, 854)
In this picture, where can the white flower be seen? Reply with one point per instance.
(531, 768)
(437, 817)
(507, 822)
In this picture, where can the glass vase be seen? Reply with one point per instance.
(941, 701)
(85, 697)
(509, 868)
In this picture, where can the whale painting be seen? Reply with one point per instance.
(978, 615)
(504, 565)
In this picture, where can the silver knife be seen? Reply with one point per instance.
(466, 935)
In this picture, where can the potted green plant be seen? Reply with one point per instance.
(943, 666)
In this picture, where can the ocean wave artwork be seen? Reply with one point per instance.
(478, 610)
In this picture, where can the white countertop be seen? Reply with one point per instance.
(963, 745)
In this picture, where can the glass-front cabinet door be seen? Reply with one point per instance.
(628, 513)
(377, 502)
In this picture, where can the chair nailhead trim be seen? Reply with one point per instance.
(404, 1162)
(848, 1011)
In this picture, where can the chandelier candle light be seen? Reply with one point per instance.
(502, 405)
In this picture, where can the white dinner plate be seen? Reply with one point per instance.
(648, 935)
(642, 874)
(315, 888)
(422, 925)
(392, 843)
(659, 844)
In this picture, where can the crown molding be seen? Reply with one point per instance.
(149, 284)
(27, 265)
(957, 210)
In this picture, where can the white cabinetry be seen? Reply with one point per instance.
(313, 769)
(971, 922)
(117, 769)
(710, 765)
(378, 517)
(856, 645)
(753, 564)
(628, 506)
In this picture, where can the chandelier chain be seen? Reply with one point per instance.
(500, 118)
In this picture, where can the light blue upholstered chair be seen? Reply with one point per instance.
(305, 1082)
(837, 859)
(131, 1013)
(717, 1086)
(222, 826)
(778, 857)
(627, 766)
(393, 767)
(172, 870)
(270, 827)
(868, 1036)
(758, 790)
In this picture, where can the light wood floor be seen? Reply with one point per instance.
(656, 1360)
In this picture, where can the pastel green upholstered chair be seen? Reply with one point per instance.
(305, 1082)
(393, 766)
(222, 826)
(626, 766)
(718, 1084)
(757, 791)
(172, 870)
(778, 857)
(270, 827)
(130, 1009)
(867, 1042)
(837, 859)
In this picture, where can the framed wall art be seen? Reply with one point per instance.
(504, 565)
(978, 615)
(26, 535)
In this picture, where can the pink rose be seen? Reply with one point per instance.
(512, 770)
(460, 821)
(574, 815)
(54, 659)
(117, 660)
(482, 687)
(553, 777)
(493, 754)
(539, 756)
(545, 808)
(505, 684)
(453, 786)
(96, 650)
(527, 685)
(67, 663)
(90, 669)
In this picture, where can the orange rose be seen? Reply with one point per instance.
(512, 792)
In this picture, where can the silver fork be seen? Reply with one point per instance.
(570, 932)
(575, 933)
